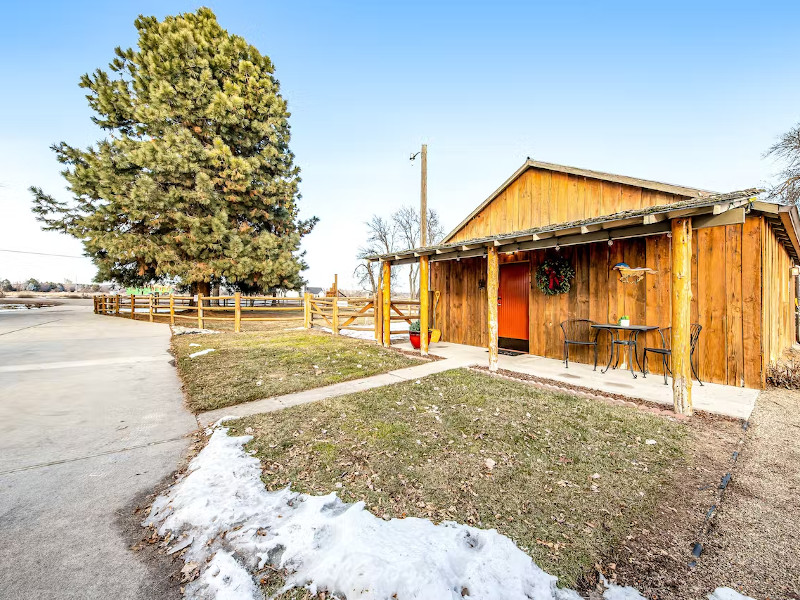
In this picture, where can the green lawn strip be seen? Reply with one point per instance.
(250, 366)
(571, 477)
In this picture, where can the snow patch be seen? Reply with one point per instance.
(224, 579)
(726, 593)
(236, 527)
(201, 352)
(368, 335)
(181, 330)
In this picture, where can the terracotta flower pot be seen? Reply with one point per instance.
(413, 336)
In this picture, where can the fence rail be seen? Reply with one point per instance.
(334, 312)
(201, 309)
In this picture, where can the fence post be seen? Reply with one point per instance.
(335, 309)
(377, 319)
(306, 311)
(200, 311)
(116, 305)
(150, 307)
(133, 306)
(237, 312)
(172, 308)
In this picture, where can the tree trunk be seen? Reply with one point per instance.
(202, 287)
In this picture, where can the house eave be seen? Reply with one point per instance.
(721, 209)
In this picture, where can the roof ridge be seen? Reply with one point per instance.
(689, 192)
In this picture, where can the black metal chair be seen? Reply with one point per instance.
(579, 332)
(665, 351)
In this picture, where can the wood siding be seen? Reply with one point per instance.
(539, 197)
(777, 297)
(726, 287)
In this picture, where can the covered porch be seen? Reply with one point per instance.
(725, 400)
(658, 236)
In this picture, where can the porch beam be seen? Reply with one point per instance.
(492, 287)
(791, 223)
(479, 252)
(734, 216)
(386, 295)
(654, 218)
(409, 260)
(423, 305)
(681, 315)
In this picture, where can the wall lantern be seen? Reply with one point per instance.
(795, 271)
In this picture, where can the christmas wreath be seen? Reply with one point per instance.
(553, 276)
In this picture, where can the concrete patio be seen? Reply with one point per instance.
(737, 402)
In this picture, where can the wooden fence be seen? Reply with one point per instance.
(199, 310)
(357, 313)
(335, 313)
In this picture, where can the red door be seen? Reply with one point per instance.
(515, 284)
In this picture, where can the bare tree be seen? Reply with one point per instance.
(399, 232)
(787, 149)
(407, 222)
(382, 239)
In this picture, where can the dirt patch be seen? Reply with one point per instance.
(754, 545)
(655, 558)
(749, 542)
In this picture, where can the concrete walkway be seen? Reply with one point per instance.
(331, 391)
(719, 399)
(737, 402)
(91, 416)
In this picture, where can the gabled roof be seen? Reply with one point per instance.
(707, 211)
(599, 175)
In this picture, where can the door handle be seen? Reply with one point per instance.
(499, 301)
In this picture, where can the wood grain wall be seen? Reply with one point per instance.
(539, 197)
(778, 297)
(726, 288)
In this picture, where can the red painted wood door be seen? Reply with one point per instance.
(515, 284)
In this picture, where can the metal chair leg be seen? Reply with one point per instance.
(566, 355)
(595, 356)
(694, 371)
(644, 363)
(664, 360)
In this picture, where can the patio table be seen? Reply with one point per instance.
(633, 332)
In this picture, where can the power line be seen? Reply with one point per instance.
(41, 253)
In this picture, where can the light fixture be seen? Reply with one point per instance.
(558, 247)
(610, 242)
(669, 234)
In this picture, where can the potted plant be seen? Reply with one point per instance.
(624, 321)
(413, 334)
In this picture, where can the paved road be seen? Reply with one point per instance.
(91, 417)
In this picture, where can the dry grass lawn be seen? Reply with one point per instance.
(250, 366)
(566, 478)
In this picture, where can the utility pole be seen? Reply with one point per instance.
(423, 199)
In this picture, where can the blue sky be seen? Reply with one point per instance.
(683, 92)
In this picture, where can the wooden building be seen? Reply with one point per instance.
(721, 260)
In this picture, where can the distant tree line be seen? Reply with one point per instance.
(34, 285)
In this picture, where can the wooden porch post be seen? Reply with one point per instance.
(492, 286)
(423, 305)
(386, 288)
(681, 315)
(377, 318)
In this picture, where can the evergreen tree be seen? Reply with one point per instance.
(194, 178)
